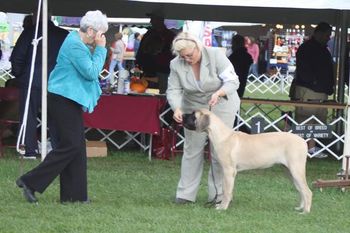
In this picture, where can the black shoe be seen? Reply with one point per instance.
(64, 202)
(212, 203)
(31, 155)
(28, 193)
(88, 201)
(181, 201)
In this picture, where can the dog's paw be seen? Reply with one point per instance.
(222, 206)
(302, 210)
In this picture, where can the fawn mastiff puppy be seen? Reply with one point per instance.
(239, 151)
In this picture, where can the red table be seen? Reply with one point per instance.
(133, 114)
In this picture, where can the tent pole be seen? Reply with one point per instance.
(346, 150)
(341, 54)
(44, 81)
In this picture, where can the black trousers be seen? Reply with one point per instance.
(31, 137)
(68, 159)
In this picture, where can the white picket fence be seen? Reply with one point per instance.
(277, 83)
(5, 71)
(284, 121)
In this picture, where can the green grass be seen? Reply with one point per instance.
(267, 95)
(131, 194)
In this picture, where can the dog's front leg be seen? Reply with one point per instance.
(229, 180)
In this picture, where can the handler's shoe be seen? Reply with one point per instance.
(64, 202)
(28, 193)
(213, 203)
(181, 201)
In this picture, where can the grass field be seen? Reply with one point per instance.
(131, 194)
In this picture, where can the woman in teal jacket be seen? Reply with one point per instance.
(73, 88)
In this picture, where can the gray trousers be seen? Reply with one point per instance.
(192, 166)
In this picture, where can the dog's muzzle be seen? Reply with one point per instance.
(189, 121)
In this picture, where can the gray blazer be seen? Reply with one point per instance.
(216, 72)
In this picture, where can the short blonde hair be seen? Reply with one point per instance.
(185, 40)
(95, 20)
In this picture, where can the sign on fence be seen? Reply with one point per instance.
(258, 125)
(312, 131)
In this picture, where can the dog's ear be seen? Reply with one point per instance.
(203, 122)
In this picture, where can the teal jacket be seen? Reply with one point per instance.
(76, 73)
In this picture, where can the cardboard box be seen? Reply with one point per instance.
(96, 149)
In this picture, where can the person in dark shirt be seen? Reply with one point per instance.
(314, 80)
(241, 61)
(137, 40)
(21, 58)
(154, 54)
(28, 21)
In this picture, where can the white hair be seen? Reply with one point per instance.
(95, 20)
(185, 40)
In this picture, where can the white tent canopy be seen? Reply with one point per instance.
(254, 11)
(335, 12)
(320, 4)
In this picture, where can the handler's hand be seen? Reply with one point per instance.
(178, 115)
(100, 39)
(214, 99)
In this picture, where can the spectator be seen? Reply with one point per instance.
(137, 40)
(118, 51)
(21, 58)
(154, 54)
(28, 21)
(241, 61)
(200, 77)
(314, 79)
(253, 50)
(73, 87)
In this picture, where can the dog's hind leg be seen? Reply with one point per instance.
(301, 196)
(299, 180)
(307, 197)
(228, 184)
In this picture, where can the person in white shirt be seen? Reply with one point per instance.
(118, 50)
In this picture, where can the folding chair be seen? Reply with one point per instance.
(9, 101)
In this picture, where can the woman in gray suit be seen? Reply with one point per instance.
(200, 77)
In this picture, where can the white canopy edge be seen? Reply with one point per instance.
(302, 4)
